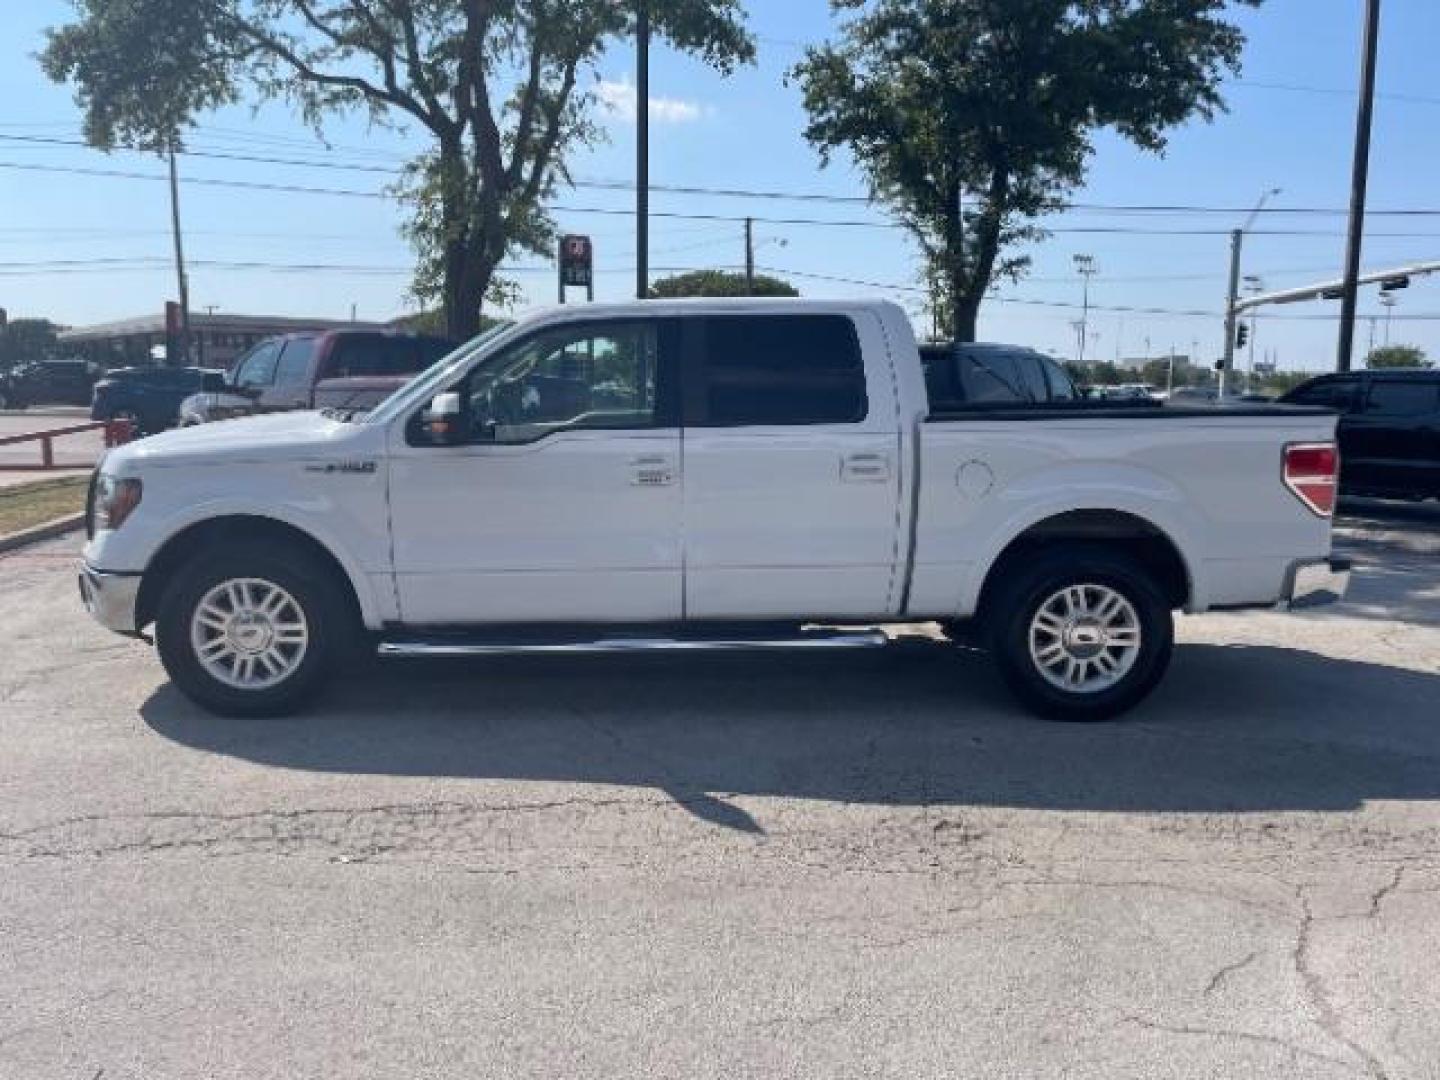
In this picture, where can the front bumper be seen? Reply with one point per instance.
(1313, 582)
(110, 598)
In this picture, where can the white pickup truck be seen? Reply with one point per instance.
(707, 474)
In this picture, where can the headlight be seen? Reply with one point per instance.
(115, 500)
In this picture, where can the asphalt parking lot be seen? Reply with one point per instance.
(809, 866)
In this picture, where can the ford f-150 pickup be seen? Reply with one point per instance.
(706, 474)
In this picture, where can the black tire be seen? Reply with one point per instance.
(1030, 584)
(329, 620)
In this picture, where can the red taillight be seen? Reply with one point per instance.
(1311, 472)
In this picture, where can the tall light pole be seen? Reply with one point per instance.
(1085, 267)
(1237, 241)
(1388, 299)
(1359, 181)
(642, 151)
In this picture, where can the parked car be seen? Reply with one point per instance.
(705, 474)
(350, 369)
(150, 396)
(1389, 430)
(1131, 392)
(47, 382)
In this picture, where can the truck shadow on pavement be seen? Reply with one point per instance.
(1233, 729)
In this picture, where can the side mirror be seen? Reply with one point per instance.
(441, 421)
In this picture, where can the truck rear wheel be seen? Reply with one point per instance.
(1080, 632)
(246, 630)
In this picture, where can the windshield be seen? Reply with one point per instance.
(433, 379)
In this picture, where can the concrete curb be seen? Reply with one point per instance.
(47, 530)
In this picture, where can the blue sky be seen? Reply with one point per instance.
(1290, 126)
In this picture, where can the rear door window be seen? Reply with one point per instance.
(294, 365)
(359, 355)
(779, 370)
(1032, 375)
(1062, 387)
(1393, 397)
(992, 378)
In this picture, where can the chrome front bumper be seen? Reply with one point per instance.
(1312, 583)
(110, 598)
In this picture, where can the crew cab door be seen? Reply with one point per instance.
(564, 503)
(792, 470)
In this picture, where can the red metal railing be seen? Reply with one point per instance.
(117, 432)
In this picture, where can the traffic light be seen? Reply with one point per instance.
(577, 265)
(1242, 335)
(1399, 281)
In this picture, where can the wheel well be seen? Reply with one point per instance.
(189, 542)
(1114, 529)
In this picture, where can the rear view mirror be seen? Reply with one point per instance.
(441, 421)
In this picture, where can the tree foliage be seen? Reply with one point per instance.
(972, 118)
(498, 85)
(719, 283)
(26, 341)
(1397, 356)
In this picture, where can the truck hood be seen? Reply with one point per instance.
(276, 437)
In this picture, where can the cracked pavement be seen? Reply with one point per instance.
(808, 866)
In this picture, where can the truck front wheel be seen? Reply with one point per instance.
(246, 630)
(1080, 632)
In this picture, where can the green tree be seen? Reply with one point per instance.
(25, 341)
(498, 86)
(1397, 356)
(972, 118)
(719, 283)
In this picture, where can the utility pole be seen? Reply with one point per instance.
(642, 153)
(1359, 181)
(1085, 267)
(181, 280)
(749, 256)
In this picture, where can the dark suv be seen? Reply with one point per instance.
(150, 396)
(345, 369)
(1389, 430)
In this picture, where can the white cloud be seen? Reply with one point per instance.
(620, 97)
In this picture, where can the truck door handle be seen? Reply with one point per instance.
(652, 470)
(864, 468)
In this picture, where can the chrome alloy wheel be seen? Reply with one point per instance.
(249, 633)
(1085, 638)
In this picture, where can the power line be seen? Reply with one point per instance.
(606, 211)
(755, 193)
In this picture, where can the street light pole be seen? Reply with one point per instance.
(642, 152)
(1359, 180)
(1085, 265)
(749, 256)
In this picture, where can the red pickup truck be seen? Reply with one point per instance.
(342, 369)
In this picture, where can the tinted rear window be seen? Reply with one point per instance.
(1395, 398)
(781, 369)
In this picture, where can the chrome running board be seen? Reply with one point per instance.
(860, 639)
